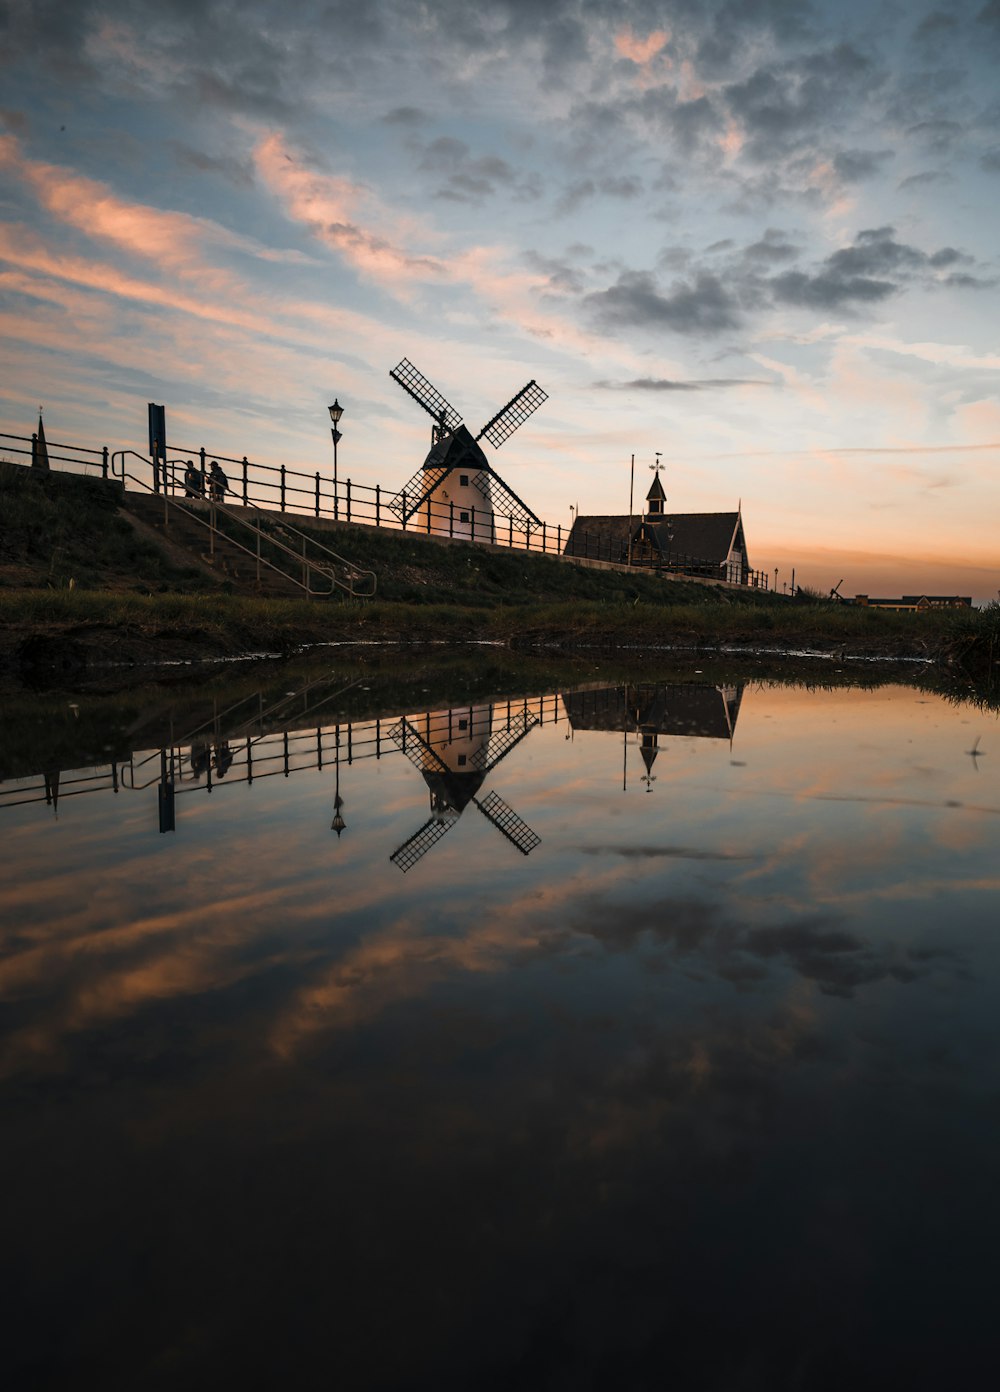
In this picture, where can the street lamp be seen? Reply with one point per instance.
(336, 411)
(338, 824)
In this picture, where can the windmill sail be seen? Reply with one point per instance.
(502, 741)
(415, 384)
(417, 846)
(505, 501)
(412, 743)
(508, 823)
(510, 417)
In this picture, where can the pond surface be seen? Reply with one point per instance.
(629, 1034)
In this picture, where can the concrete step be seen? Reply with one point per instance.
(226, 560)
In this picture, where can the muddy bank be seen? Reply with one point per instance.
(47, 636)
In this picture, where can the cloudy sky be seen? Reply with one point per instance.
(756, 235)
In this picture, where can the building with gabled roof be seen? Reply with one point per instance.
(697, 543)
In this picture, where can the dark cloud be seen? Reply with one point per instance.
(854, 165)
(990, 161)
(235, 171)
(702, 306)
(660, 852)
(706, 302)
(405, 116)
(781, 106)
(936, 26)
(938, 135)
(472, 178)
(666, 384)
(563, 278)
(773, 248)
(923, 180)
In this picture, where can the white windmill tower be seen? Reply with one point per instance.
(455, 751)
(456, 492)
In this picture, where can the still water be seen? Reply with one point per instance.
(626, 1034)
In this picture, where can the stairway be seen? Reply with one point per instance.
(229, 562)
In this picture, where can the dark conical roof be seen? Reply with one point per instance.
(656, 490)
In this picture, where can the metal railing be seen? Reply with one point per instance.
(271, 488)
(267, 536)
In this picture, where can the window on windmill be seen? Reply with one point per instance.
(464, 517)
(464, 480)
(463, 724)
(461, 760)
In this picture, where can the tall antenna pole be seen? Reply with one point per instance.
(631, 490)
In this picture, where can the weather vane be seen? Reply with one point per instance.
(657, 466)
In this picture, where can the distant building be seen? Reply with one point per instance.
(917, 603)
(697, 543)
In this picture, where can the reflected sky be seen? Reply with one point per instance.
(670, 1060)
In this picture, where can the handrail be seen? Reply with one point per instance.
(354, 573)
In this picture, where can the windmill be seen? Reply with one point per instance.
(455, 764)
(456, 492)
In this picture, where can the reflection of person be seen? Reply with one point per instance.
(218, 484)
(223, 758)
(200, 755)
(192, 480)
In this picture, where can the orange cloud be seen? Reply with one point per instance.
(641, 51)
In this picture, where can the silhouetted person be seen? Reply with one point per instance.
(201, 756)
(223, 758)
(192, 480)
(218, 484)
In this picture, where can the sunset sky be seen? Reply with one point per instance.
(759, 236)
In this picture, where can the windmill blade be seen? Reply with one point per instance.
(407, 855)
(502, 741)
(415, 384)
(412, 498)
(420, 754)
(508, 823)
(514, 414)
(418, 490)
(505, 501)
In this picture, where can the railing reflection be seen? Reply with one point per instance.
(455, 749)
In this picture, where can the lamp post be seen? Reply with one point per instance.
(338, 824)
(336, 411)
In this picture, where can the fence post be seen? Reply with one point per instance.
(472, 515)
(246, 491)
(348, 500)
(559, 537)
(430, 506)
(336, 500)
(104, 462)
(317, 492)
(544, 541)
(451, 518)
(403, 513)
(282, 488)
(378, 498)
(510, 531)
